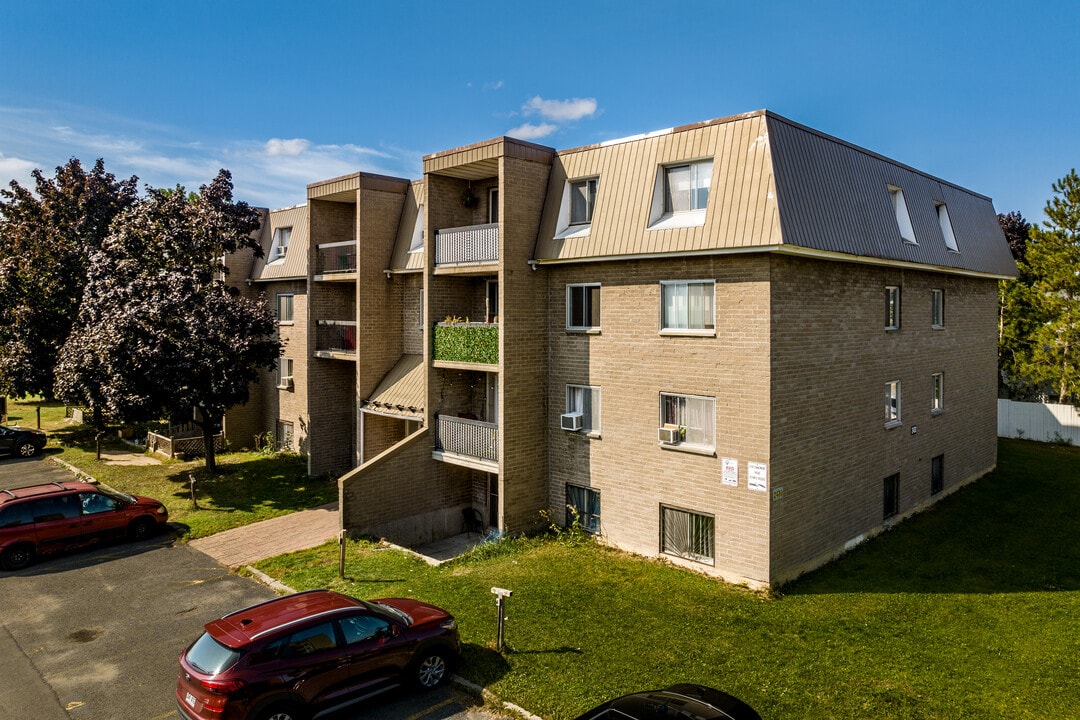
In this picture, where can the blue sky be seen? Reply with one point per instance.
(983, 94)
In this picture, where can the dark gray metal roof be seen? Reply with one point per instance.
(834, 197)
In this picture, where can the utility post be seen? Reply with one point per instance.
(500, 599)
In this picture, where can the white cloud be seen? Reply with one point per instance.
(528, 131)
(277, 146)
(16, 169)
(560, 110)
(497, 85)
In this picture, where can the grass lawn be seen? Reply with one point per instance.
(248, 487)
(969, 610)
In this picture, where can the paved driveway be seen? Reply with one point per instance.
(94, 635)
(17, 472)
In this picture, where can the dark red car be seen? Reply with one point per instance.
(42, 519)
(307, 654)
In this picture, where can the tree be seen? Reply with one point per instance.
(159, 331)
(1052, 354)
(46, 239)
(1016, 319)
(1016, 230)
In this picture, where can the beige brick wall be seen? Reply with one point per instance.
(633, 364)
(831, 360)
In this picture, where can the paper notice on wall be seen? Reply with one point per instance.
(730, 473)
(757, 476)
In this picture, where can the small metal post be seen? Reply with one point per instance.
(38, 417)
(500, 599)
(194, 499)
(341, 552)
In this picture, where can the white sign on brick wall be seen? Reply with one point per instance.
(757, 476)
(730, 473)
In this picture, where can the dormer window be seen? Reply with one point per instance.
(946, 227)
(681, 195)
(582, 200)
(417, 243)
(281, 244)
(903, 220)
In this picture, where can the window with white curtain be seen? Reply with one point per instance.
(693, 415)
(687, 534)
(584, 399)
(582, 200)
(688, 305)
(686, 187)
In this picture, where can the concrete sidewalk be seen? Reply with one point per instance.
(268, 538)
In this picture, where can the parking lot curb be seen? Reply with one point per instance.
(275, 585)
(79, 474)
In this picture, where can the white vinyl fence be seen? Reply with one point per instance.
(1038, 421)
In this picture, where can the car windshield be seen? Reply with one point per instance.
(117, 495)
(399, 615)
(211, 657)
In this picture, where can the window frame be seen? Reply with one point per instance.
(903, 217)
(695, 189)
(937, 397)
(937, 308)
(893, 308)
(575, 395)
(590, 308)
(890, 496)
(283, 435)
(493, 204)
(937, 474)
(589, 519)
(945, 223)
(285, 380)
(280, 246)
(684, 427)
(591, 190)
(893, 410)
(278, 298)
(416, 242)
(708, 329)
(707, 524)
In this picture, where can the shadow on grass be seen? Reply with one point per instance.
(276, 483)
(484, 663)
(1013, 530)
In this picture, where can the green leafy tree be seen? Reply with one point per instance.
(1051, 357)
(160, 332)
(46, 240)
(1016, 320)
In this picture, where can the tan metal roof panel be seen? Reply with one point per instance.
(402, 391)
(403, 260)
(294, 265)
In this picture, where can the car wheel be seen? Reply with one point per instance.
(430, 669)
(28, 449)
(282, 711)
(17, 557)
(141, 528)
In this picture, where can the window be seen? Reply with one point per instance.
(582, 200)
(686, 187)
(937, 308)
(687, 306)
(582, 307)
(93, 502)
(892, 308)
(937, 474)
(586, 505)
(285, 376)
(946, 227)
(694, 417)
(417, 243)
(903, 220)
(312, 640)
(281, 244)
(285, 307)
(891, 496)
(284, 435)
(364, 628)
(686, 534)
(937, 402)
(892, 403)
(584, 399)
(493, 205)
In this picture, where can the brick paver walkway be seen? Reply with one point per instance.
(258, 541)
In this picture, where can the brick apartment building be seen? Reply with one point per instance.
(687, 336)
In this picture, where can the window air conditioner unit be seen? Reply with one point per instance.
(669, 435)
(286, 384)
(571, 421)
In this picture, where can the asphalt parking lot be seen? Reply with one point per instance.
(95, 634)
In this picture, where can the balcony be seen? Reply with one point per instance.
(471, 443)
(465, 344)
(336, 339)
(473, 245)
(335, 261)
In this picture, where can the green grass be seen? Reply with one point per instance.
(248, 487)
(969, 610)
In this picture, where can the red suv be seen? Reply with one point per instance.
(41, 519)
(310, 653)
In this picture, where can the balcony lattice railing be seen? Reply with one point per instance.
(471, 438)
(337, 257)
(471, 245)
(336, 336)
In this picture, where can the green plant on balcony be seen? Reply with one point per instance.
(469, 199)
(467, 342)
